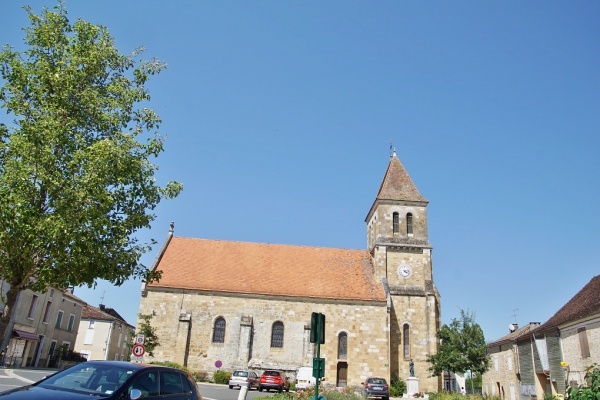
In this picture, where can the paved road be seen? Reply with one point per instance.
(12, 378)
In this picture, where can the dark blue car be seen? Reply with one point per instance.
(110, 380)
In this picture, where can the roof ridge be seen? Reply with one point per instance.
(270, 244)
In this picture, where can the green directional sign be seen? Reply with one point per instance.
(317, 328)
(318, 367)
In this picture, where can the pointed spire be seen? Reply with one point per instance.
(397, 184)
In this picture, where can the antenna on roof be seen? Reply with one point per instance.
(171, 227)
(392, 149)
(102, 297)
(515, 314)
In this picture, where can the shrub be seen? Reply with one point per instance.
(397, 386)
(221, 377)
(589, 391)
(171, 365)
(200, 376)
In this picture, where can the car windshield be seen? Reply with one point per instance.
(271, 373)
(240, 373)
(85, 378)
(377, 381)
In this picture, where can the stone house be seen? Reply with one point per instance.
(228, 305)
(104, 334)
(42, 326)
(503, 377)
(550, 356)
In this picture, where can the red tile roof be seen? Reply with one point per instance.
(268, 269)
(585, 303)
(90, 312)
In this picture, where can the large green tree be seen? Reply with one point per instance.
(462, 347)
(77, 153)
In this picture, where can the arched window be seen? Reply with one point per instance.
(277, 334)
(409, 225)
(406, 335)
(219, 331)
(342, 346)
(396, 223)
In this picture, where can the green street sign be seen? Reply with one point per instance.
(318, 367)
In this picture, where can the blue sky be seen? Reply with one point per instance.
(279, 116)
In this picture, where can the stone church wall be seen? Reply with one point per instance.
(184, 324)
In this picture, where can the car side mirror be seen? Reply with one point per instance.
(135, 394)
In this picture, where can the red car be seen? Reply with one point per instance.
(273, 379)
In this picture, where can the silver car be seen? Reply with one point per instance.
(241, 378)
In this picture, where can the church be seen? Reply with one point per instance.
(226, 305)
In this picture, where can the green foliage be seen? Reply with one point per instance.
(221, 377)
(590, 390)
(149, 332)
(200, 376)
(171, 364)
(76, 172)
(397, 386)
(347, 393)
(458, 396)
(462, 347)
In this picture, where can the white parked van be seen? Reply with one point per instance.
(304, 378)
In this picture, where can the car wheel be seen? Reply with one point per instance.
(230, 386)
(260, 388)
(280, 389)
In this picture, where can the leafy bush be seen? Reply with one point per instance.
(171, 365)
(221, 377)
(397, 386)
(590, 390)
(70, 355)
(200, 376)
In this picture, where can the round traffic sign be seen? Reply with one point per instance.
(138, 350)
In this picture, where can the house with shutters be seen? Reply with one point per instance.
(104, 334)
(226, 305)
(42, 328)
(542, 360)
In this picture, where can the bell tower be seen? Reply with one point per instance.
(397, 238)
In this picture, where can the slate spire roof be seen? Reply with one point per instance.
(397, 184)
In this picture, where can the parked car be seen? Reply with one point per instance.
(377, 387)
(305, 378)
(273, 379)
(241, 378)
(110, 380)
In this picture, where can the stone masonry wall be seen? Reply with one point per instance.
(366, 325)
(572, 349)
(501, 379)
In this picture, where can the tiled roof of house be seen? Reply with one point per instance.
(397, 184)
(109, 314)
(268, 269)
(511, 337)
(584, 304)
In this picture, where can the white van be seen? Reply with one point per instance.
(304, 378)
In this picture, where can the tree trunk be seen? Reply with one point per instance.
(11, 300)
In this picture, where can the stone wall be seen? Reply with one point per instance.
(184, 323)
(572, 349)
(501, 379)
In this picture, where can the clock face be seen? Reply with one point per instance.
(404, 271)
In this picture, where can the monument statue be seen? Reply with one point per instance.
(411, 367)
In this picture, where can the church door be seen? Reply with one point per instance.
(342, 374)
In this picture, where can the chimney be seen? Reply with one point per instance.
(102, 307)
